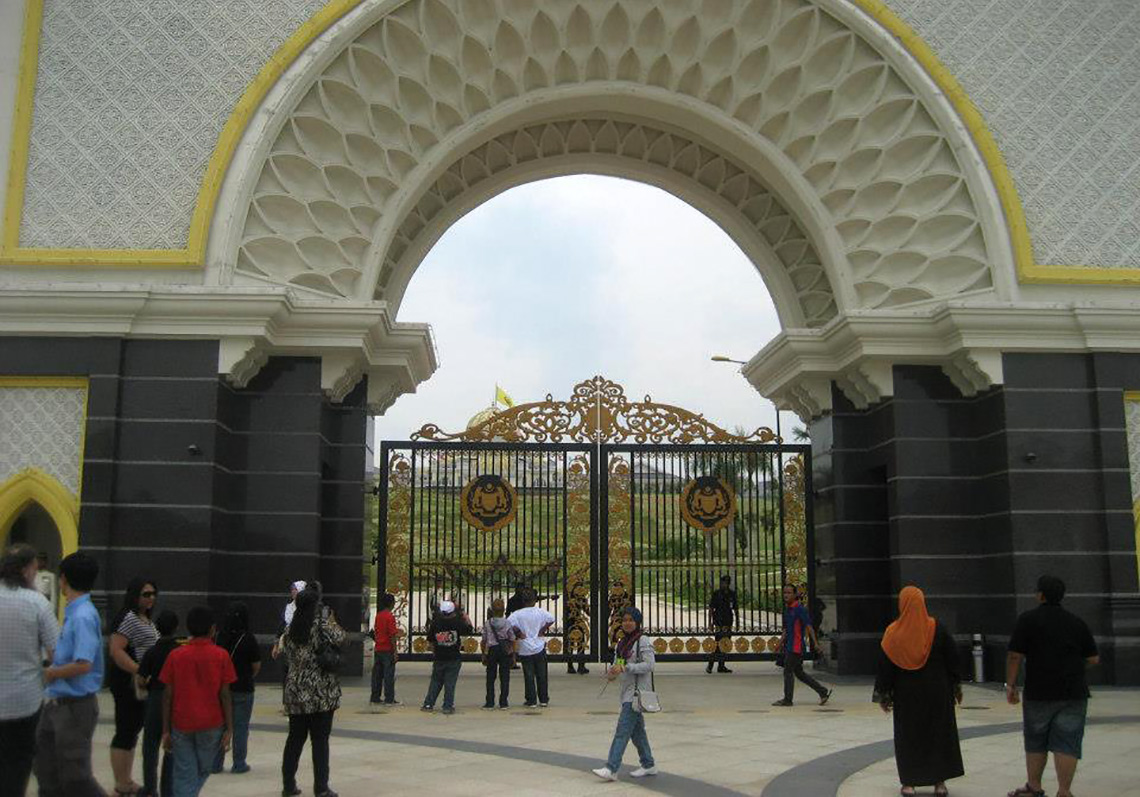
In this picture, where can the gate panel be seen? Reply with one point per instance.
(469, 522)
(599, 502)
(745, 519)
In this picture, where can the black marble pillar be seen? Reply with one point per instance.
(215, 493)
(973, 498)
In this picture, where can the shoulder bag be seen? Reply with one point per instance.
(328, 653)
(645, 701)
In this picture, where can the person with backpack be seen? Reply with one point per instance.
(245, 654)
(632, 668)
(498, 648)
(312, 691)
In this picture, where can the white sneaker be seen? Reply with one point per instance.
(604, 773)
(641, 772)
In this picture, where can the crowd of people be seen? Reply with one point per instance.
(191, 698)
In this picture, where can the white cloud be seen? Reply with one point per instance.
(553, 282)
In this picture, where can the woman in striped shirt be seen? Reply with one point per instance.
(132, 635)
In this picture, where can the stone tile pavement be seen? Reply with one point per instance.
(719, 735)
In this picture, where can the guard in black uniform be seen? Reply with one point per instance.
(722, 619)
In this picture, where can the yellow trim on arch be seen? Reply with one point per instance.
(33, 485)
(1028, 271)
(193, 255)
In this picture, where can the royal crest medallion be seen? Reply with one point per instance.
(708, 503)
(488, 502)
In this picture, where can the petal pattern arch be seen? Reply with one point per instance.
(711, 181)
(858, 149)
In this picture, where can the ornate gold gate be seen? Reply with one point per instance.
(598, 502)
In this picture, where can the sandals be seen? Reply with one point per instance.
(907, 791)
(1025, 791)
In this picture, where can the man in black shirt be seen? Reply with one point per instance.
(722, 618)
(1057, 647)
(445, 635)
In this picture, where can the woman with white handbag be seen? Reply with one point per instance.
(633, 669)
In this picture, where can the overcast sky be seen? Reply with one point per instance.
(553, 282)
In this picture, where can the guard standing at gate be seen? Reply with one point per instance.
(722, 619)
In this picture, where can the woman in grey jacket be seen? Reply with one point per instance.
(632, 668)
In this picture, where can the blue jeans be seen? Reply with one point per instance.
(631, 725)
(243, 710)
(384, 677)
(194, 755)
(444, 674)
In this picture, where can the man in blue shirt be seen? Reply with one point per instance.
(70, 711)
(797, 631)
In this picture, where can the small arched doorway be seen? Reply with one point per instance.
(36, 509)
(35, 527)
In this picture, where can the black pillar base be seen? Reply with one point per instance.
(216, 493)
(973, 498)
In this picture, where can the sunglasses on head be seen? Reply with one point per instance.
(150, 593)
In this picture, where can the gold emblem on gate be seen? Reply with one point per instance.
(489, 502)
(708, 503)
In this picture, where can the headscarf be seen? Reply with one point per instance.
(908, 640)
(625, 646)
(446, 607)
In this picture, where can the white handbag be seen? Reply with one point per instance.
(645, 701)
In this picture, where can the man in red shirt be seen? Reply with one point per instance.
(197, 715)
(384, 660)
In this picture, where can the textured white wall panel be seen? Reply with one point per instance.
(42, 427)
(1059, 85)
(130, 98)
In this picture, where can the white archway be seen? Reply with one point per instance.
(856, 145)
(802, 127)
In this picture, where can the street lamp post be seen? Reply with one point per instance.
(720, 358)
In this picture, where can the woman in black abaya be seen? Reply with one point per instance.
(919, 678)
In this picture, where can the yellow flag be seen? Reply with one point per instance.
(501, 397)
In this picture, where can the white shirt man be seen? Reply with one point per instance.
(29, 631)
(533, 621)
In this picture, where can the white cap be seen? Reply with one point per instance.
(298, 585)
(447, 607)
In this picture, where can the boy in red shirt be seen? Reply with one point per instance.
(197, 715)
(384, 661)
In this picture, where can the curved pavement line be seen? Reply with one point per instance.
(664, 783)
(822, 777)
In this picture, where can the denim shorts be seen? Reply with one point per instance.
(1054, 726)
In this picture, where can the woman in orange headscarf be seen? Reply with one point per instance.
(919, 678)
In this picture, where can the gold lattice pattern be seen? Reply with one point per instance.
(397, 542)
(597, 412)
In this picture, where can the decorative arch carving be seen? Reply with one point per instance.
(717, 184)
(381, 121)
(33, 485)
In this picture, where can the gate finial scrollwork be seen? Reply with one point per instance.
(597, 412)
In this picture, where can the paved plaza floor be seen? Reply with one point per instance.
(719, 735)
